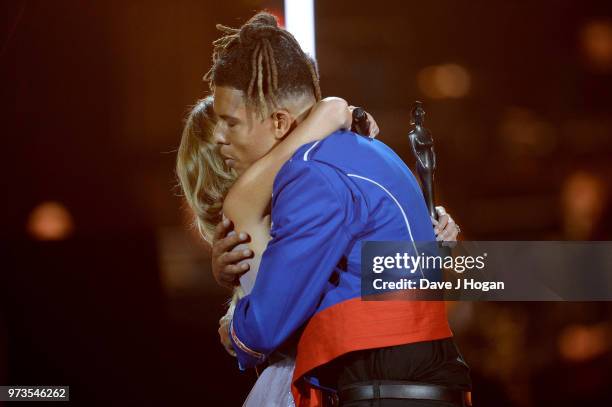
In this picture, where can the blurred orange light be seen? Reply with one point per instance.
(523, 133)
(50, 221)
(583, 200)
(444, 81)
(596, 38)
(584, 192)
(582, 342)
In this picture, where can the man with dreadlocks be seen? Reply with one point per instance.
(331, 195)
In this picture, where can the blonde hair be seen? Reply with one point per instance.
(204, 177)
(202, 173)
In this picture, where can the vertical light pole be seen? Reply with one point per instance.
(300, 21)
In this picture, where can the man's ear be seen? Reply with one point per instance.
(282, 121)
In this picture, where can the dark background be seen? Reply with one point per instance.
(122, 306)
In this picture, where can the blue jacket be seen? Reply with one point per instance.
(328, 198)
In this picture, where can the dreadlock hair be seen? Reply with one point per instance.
(265, 62)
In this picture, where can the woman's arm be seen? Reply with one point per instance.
(249, 197)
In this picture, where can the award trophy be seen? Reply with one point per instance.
(423, 149)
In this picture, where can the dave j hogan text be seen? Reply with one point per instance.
(425, 284)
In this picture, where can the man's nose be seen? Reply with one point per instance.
(219, 134)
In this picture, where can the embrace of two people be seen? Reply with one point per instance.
(266, 157)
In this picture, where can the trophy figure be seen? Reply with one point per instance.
(423, 149)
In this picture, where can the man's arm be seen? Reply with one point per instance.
(308, 240)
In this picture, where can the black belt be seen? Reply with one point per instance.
(402, 390)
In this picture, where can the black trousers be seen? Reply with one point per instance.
(397, 402)
(432, 362)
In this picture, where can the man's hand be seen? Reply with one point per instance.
(445, 227)
(224, 261)
(224, 336)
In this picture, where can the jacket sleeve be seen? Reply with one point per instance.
(309, 237)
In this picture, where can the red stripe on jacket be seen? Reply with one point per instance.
(355, 325)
